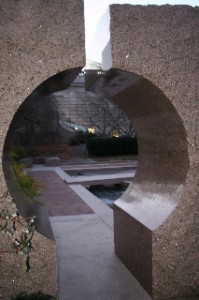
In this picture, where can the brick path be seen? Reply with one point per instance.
(58, 197)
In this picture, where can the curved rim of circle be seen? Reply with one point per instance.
(163, 159)
(57, 82)
(161, 172)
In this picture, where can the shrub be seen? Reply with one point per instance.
(18, 153)
(77, 138)
(27, 183)
(101, 146)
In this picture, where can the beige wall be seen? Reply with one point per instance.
(41, 38)
(161, 44)
(38, 39)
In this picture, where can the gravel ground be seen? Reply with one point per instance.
(42, 275)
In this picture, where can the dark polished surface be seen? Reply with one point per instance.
(133, 245)
(163, 163)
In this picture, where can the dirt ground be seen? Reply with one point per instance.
(42, 275)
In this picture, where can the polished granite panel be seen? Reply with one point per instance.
(136, 250)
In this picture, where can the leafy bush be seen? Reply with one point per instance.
(33, 296)
(27, 183)
(18, 153)
(77, 138)
(101, 146)
(19, 230)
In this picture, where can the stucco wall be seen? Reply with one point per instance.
(161, 44)
(38, 39)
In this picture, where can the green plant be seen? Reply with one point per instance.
(77, 138)
(27, 183)
(19, 230)
(18, 153)
(33, 296)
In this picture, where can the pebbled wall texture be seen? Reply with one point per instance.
(37, 40)
(41, 38)
(162, 45)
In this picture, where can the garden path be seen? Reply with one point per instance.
(87, 267)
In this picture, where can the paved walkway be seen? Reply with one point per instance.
(58, 197)
(87, 267)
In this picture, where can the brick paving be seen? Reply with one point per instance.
(58, 197)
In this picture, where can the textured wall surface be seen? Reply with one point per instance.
(161, 44)
(37, 40)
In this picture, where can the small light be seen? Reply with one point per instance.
(115, 133)
(91, 130)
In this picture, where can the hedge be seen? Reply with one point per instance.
(101, 146)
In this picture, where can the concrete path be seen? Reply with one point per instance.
(86, 264)
(87, 267)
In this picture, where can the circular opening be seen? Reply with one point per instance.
(43, 133)
(58, 125)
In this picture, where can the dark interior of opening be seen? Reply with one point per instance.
(43, 134)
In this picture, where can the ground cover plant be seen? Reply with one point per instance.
(27, 183)
(19, 230)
